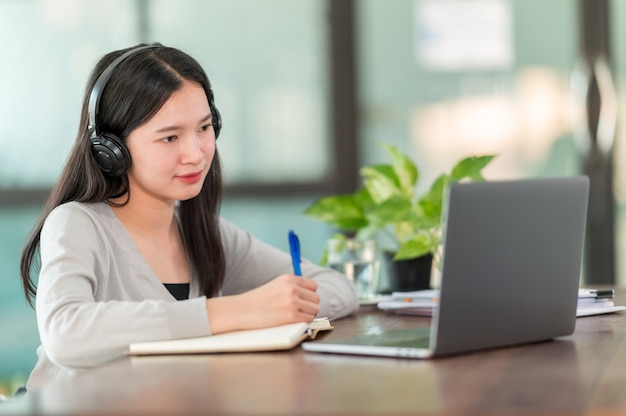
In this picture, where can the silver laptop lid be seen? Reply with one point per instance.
(512, 255)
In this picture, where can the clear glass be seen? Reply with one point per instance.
(358, 260)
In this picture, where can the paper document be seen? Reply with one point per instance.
(423, 302)
(419, 302)
(596, 302)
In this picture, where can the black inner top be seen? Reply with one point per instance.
(179, 290)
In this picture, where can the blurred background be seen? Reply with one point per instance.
(307, 89)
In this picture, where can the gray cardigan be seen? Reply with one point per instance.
(96, 294)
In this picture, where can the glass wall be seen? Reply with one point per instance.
(432, 80)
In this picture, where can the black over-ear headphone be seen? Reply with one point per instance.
(109, 151)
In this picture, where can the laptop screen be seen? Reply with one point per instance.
(512, 256)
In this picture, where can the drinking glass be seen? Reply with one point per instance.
(358, 260)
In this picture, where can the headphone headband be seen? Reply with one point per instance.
(101, 82)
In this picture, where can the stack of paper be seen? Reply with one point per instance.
(596, 302)
(422, 302)
(419, 302)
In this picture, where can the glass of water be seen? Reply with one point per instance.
(358, 260)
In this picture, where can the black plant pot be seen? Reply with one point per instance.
(407, 275)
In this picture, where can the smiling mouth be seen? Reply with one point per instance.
(191, 177)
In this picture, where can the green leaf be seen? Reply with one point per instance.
(392, 210)
(405, 170)
(343, 211)
(403, 231)
(368, 232)
(425, 217)
(381, 182)
(471, 167)
(431, 202)
(363, 199)
(417, 246)
(324, 259)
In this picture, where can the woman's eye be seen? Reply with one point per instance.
(205, 127)
(169, 139)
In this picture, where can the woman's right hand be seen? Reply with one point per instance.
(285, 299)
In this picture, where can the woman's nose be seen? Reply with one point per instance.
(191, 151)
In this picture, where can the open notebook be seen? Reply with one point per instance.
(512, 256)
(281, 337)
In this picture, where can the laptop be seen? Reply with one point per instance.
(512, 256)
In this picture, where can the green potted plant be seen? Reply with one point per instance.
(387, 202)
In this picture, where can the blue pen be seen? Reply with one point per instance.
(294, 246)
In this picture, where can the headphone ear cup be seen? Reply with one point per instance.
(216, 120)
(111, 154)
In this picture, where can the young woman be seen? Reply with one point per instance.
(130, 243)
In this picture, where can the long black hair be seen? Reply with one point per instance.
(137, 90)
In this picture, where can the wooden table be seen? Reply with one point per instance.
(581, 374)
